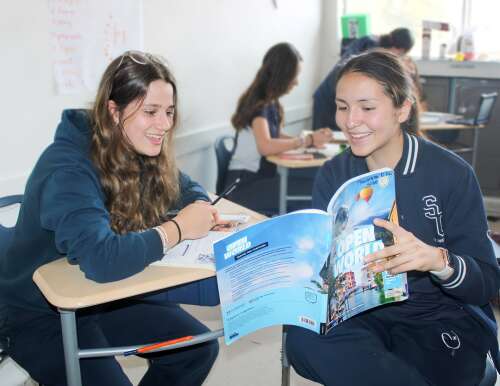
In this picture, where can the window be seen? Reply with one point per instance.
(467, 16)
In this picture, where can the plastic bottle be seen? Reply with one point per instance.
(468, 46)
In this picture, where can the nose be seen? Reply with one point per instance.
(353, 119)
(164, 122)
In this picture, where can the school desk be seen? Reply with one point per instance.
(430, 121)
(283, 165)
(65, 287)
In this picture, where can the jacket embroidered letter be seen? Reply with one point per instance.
(432, 211)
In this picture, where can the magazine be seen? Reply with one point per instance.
(306, 268)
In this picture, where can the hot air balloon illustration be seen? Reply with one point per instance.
(365, 193)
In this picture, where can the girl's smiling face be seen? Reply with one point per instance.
(146, 123)
(369, 120)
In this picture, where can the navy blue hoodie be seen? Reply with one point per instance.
(64, 214)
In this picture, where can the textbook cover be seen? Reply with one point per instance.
(306, 268)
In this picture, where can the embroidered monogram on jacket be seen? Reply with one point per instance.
(433, 212)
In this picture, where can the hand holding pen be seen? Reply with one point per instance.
(196, 219)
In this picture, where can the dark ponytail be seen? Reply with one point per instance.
(401, 38)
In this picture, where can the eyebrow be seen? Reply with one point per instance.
(359, 100)
(157, 105)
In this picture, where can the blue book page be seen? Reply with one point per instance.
(353, 288)
(272, 273)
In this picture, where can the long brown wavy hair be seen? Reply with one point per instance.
(274, 77)
(139, 189)
(388, 70)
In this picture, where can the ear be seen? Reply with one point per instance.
(113, 111)
(404, 111)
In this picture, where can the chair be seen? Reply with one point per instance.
(224, 149)
(5, 237)
(449, 138)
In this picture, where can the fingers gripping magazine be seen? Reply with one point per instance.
(306, 268)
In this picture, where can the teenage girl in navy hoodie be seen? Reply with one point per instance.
(99, 195)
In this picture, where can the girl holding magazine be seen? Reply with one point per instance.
(441, 243)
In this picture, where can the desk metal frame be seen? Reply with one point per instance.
(72, 354)
(447, 126)
(283, 165)
(65, 287)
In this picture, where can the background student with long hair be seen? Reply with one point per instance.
(258, 121)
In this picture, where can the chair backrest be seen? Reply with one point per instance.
(224, 149)
(483, 114)
(485, 108)
(5, 237)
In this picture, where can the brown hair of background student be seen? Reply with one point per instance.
(274, 77)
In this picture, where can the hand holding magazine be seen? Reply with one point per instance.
(306, 268)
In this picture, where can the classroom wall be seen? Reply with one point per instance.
(214, 48)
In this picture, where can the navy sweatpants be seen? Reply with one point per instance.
(375, 349)
(36, 343)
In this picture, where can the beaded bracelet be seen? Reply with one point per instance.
(178, 229)
(163, 237)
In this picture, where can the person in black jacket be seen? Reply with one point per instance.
(441, 243)
(399, 41)
(100, 195)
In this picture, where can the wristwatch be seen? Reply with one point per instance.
(448, 270)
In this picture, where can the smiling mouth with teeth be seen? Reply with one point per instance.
(359, 135)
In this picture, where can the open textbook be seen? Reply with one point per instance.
(306, 268)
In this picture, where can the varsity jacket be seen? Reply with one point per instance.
(439, 200)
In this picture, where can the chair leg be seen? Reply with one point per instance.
(285, 365)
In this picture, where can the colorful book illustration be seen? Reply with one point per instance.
(306, 268)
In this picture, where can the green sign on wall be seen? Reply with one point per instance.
(355, 25)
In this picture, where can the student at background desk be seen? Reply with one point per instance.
(258, 122)
(99, 194)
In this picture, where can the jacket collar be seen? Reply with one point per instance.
(408, 162)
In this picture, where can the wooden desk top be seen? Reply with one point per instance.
(296, 163)
(329, 151)
(65, 286)
(447, 126)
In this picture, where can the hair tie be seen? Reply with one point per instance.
(178, 229)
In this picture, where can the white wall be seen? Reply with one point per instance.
(214, 48)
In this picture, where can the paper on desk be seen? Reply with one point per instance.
(238, 218)
(197, 253)
(339, 136)
(329, 150)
